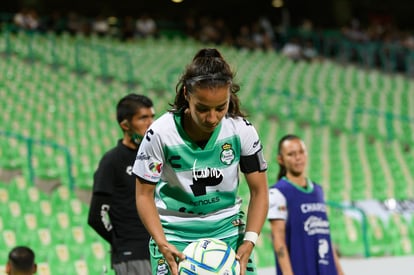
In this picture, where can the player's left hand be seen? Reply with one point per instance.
(243, 255)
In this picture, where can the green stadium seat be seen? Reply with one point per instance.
(8, 239)
(26, 226)
(351, 243)
(398, 228)
(43, 268)
(97, 257)
(44, 212)
(60, 260)
(60, 225)
(4, 195)
(379, 240)
(42, 241)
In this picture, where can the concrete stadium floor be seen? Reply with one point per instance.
(376, 265)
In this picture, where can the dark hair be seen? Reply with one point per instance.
(207, 70)
(129, 105)
(22, 258)
(282, 169)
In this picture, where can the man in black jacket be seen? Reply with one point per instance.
(113, 211)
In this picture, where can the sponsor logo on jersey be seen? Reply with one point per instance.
(203, 177)
(155, 167)
(316, 225)
(282, 208)
(205, 201)
(142, 156)
(227, 154)
(313, 207)
(323, 250)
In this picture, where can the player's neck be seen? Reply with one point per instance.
(129, 143)
(299, 180)
(192, 130)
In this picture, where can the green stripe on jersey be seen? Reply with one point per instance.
(224, 153)
(194, 229)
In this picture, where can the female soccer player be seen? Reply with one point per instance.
(297, 215)
(189, 160)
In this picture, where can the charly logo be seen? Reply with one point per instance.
(227, 154)
(129, 170)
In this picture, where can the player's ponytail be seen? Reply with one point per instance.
(208, 69)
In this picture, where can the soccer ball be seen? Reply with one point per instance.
(209, 257)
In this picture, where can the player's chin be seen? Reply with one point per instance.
(209, 128)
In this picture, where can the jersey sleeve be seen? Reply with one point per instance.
(250, 142)
(149, 162)
(251, 155)
(277, 205)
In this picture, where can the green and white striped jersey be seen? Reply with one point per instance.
(196, 188)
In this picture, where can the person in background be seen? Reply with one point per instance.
(190, 161)
(113, 213)
(21, 261)
(298, 218)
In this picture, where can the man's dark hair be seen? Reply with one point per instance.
(129, 104)
(22, 258)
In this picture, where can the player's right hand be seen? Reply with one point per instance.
(172, 256)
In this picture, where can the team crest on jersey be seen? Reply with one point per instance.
(237, 222)
(162, 267)
(227, 154)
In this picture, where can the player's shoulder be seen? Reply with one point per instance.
(237, 120)
(317, 186)
(164, 122)
(239, 124)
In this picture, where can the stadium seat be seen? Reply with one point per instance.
(379, 239)
(60, 260)
(4, 194)
(60, 225)
(8, 239)
(350, 244)
(97, 257)
(42, 242)
(43, 268)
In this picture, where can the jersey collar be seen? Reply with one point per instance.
(178, 116)
(309, 185)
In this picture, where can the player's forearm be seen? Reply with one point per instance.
(338, 263)
(282, 255)
(278, 227)
(149, 214)
(258, 204)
